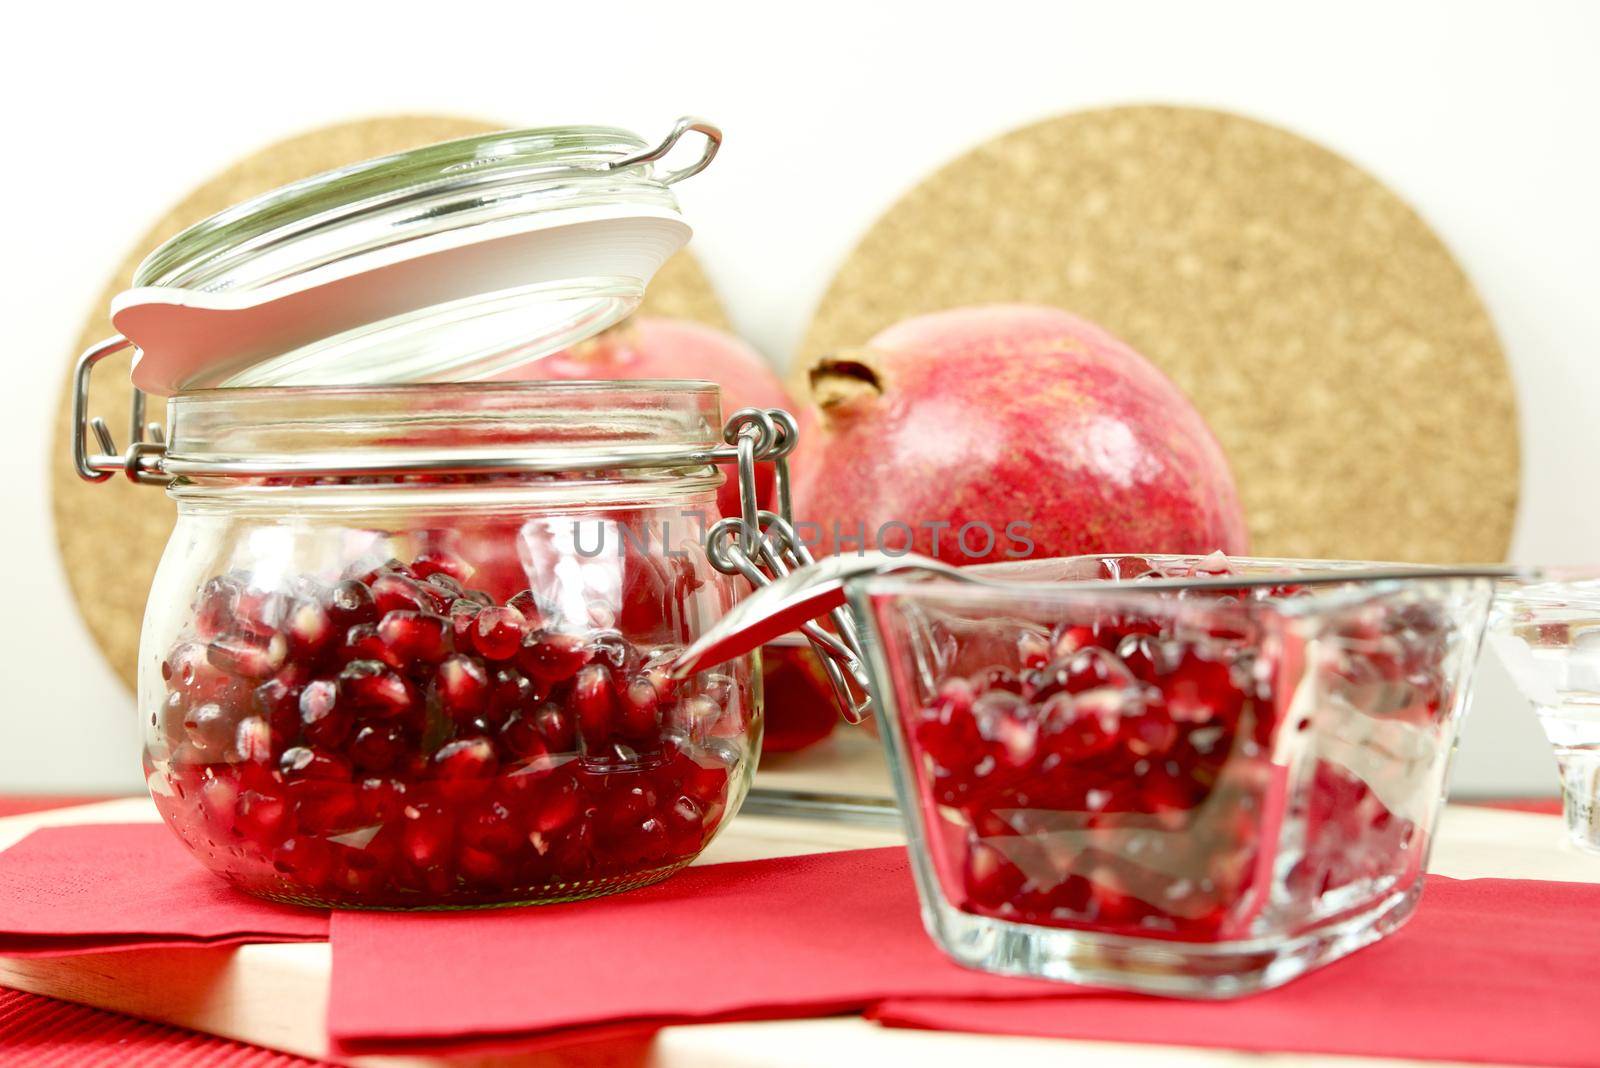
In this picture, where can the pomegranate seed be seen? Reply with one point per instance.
(648, 843)
(307, 860)
(427, 838)
(309, 629)
(1033, 649)
(1145, 656)
(640, 708)
(378, 748)
(437, 562)
(381, 800)
(1074, 730)
(324, 807)
(362, 872)
(658, 672)
(362, 643)
(248, 656)
(323, 719)
(552, 656)
(465, 758)
(260, 611)
(948, 732)
(493, 829)
(349, 603)
(557, 810)
(218, 799)
(215, 608)
(990, 879)
(510, 694)
(416, 636)
(703, 774)
(461, 687)
(593, 701)
(538, 612)
(1002, 679)
(685, 821)
(303, 762)
(442, 581)
(497, 633)
(366, 573)
(557, 728)
(1002, 719)
(279, 702)
(1091, 669)
(1163, 794)
(462, 615)
(1147, 730)
(376, 690)
(397, 593)
(261, 817)
(210, 728)
(1202, 691)
(1069, 640)
(521, 738)
(252, 743)
(1109, 900)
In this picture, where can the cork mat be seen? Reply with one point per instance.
(111, 535)
(1338, 350)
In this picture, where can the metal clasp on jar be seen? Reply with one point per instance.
(759, 544)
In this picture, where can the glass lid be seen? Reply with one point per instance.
(452, 262)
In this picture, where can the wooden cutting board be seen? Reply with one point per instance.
(275, 995)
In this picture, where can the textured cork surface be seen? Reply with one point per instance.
(111, 534)
(1343, 358)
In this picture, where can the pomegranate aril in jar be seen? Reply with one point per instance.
(536, 761)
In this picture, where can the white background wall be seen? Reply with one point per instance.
(1484, 115)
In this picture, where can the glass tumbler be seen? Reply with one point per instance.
(1547, 633)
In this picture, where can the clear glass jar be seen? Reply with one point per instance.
(409, 643)
(371, 689)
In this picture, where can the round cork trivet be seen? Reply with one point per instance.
(111, 534)
(1335, 346)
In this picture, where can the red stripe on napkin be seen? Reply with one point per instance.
(99, 887)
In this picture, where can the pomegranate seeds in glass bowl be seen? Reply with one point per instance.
(1189, 776)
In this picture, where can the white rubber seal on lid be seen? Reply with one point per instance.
(454, 306)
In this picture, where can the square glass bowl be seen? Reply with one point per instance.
(1137, 773)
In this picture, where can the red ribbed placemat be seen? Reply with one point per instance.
(44, 1033)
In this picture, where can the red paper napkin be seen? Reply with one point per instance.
(1488, 970)
(1496, 970)
(800, 936)
(99, 887)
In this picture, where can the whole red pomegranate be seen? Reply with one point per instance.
(1008, 431)
(646, 347)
